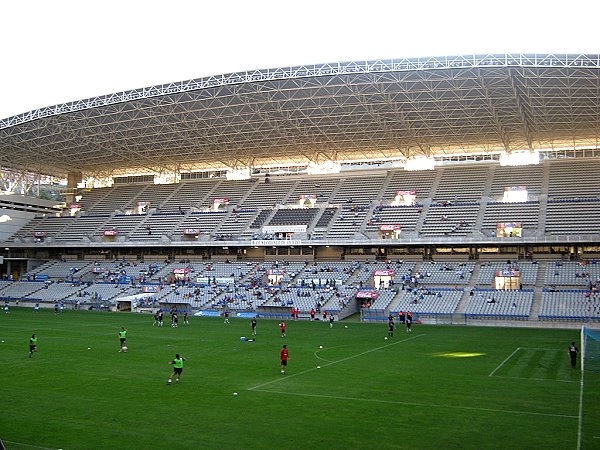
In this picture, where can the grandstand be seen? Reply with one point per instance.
(295, 187)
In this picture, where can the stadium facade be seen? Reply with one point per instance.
(312, 163)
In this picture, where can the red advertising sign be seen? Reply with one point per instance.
(181, 271)
(39, 234)
(384, 273)
(111, 232)
(220, 200)
(367, 294)
(389, 227)
(191, 231)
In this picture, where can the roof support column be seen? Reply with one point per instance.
(73, 179)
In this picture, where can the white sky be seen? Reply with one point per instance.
(55, 51)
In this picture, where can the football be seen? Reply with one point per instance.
(124, 349)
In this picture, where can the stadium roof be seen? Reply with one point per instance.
(342, 111)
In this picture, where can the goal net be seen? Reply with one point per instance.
(590, 349)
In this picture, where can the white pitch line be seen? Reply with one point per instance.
(425, 405)
(537, 379)
(504, 362)
(322, 349)
(321, 358)
(29, 445)
(580, 423)
(540, 348)
(334, 362)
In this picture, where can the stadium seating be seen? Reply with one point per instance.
(527, 214)
(359, 191)
(156, 195)
(236, 222)
(500, 304)
(347, 223)
(462, 184)
(189, 195)
(21, 289)
(322, 187)
(116, 199)
(428, 289)
(235, 191)
(296, 216)
(62, 270)
(568, 273)
(450, 220)
(364, 272)
(574, 179)
(570, 304)
(405, 216)
(83, 227)
(268, 194)
(574, 216)
(527, 272)
(156, 227)
(508, 176)
(419, 181)
(383, 302)
(445, 273)
(457, 204)
(100, 292)
(453, 202)
(205, 222)
(52, 226)
(428, 301)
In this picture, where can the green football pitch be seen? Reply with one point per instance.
(345, 387)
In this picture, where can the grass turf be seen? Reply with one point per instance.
(456, 387)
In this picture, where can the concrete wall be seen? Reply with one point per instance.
(12, 221)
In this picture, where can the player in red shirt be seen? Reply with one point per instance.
(283, 355)
(324, 315)
(282, 328)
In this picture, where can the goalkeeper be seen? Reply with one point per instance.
(573, 350)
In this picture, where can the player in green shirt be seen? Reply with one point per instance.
(123, 340)
(177, 368)
(32, 344)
